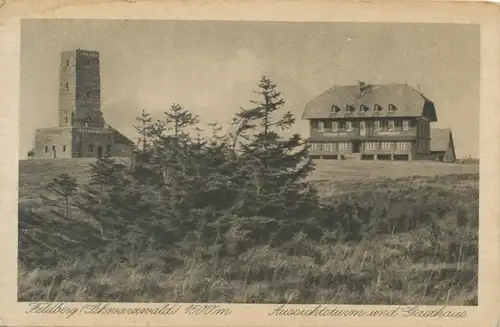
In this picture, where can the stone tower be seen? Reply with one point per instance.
(80, 89)
(81, 130)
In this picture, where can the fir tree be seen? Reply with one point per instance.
(179, 119)
(277, 165)
(104, 172)
(63, 186)
(144, 122)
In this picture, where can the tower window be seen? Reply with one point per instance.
(64, 148)
(67, 63)
(67, 86)
(66, 119)
(91, 148)
(109, 148)
(46, 149)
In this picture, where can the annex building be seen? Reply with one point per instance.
(375, 122)
(82, 130)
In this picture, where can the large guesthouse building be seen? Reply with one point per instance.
(371, 122)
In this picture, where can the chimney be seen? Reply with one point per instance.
(362, 87)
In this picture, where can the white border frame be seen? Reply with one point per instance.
(484, 14)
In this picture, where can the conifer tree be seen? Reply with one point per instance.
(63, 186)
(179, 119)
(144, 122)
(277, 165)
(104, 172)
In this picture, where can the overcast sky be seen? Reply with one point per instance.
(212, 68)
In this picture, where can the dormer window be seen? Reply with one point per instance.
(349, 108)
(377, 107)
(392, 107)
(363, 108)
(335, 109)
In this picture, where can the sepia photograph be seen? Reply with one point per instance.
(248, 162)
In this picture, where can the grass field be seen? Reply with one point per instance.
(419, 246)
(362, 170)
(34, 173)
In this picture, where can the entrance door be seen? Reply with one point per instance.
(356, 146)
(99, 151)
(362, 128)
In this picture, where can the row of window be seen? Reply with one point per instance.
(339, 146)
(363, 108)
(330, 146)
(54, 148)
(92, 147)
(349, 126)
(63, 147)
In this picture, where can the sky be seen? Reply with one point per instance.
(212, 67)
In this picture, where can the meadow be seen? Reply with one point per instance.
(415, 242)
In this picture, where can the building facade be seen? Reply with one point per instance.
(370, 122)
(82, 130)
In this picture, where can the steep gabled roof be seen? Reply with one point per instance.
(120, 138)
(440, 139)
(408, 101)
